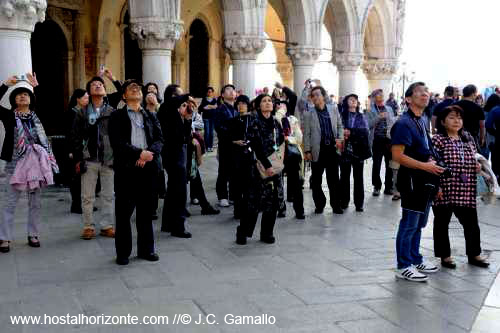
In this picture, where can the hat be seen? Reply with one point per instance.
(95, 78)
(129, 82)
(19, 90)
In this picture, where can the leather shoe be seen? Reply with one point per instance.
(122, 261)
(268, 239)
(210, 211)
(448, 264)
(33, 241)
(300, 216)
(149, 257)
(182, 234)
(241, 240)
(479, 263)
(338, 210)
(318, 210)
(4, 249)
(360, 209)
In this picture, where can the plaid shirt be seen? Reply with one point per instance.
(460, 188)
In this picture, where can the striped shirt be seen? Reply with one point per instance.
(326, 126)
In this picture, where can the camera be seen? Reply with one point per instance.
(447, 171)
(21, 77)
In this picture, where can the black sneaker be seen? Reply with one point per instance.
(376, 192)
(122, 261)
(267, 239)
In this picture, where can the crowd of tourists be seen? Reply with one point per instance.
(136, 147)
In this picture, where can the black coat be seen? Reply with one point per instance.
(177, 133)
(125, 154)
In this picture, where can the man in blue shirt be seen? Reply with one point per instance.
(412, 149)
(449, 93)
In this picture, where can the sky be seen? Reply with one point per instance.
(445, 42)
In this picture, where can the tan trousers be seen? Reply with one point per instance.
(89, 182)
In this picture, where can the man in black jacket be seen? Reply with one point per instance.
(175, 119)
(137, 142)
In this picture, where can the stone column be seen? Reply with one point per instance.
(380, 73)
(303, 60)
(286, 72)
(80, 78)
(17, 22)
(243, 52)
(156, 40)
(348, 65)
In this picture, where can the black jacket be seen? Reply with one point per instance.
(91, 142)
(177, 133)
(125, 154)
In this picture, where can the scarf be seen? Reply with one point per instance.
(26, 137)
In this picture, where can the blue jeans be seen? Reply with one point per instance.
(209, 133)
(408, 239)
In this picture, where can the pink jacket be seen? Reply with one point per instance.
(33, 171)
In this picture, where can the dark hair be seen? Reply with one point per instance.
(78, 93)
(411, 89)
(170, 91)
(469, 90)
(259, 99)
(227, 86)
(320, 88)
(243, 99)
(210, 88)
(95, 78)
(493, 101)
(449, 91)
(345, 104)
(442, 116)
(150, 84)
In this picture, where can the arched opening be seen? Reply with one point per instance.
(49, 54)
(132, 52)
(198, 58)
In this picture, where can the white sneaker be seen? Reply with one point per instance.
(426, 267)
(411, 274)
(223, 203)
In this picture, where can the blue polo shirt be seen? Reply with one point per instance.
(410, 131)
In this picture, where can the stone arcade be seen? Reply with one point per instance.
(193, 42)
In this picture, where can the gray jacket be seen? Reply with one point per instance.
(373, 118)
(312, 129)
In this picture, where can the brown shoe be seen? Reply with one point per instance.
(88, 233)
(110, 232)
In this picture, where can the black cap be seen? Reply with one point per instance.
(129, 82)
(20, 90)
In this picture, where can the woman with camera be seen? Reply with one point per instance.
(265, 192)
(457, 187)
(356, 151)
(30, 161)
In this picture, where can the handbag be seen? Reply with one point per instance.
(276, 159)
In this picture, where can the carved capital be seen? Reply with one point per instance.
(156, 34)
(347, 61)
(302, 56)
(244, 47)
(21, 14)
(380, 69)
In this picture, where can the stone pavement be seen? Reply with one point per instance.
(330, 273)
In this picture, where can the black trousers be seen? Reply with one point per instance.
(174, 206)
(249, 220)
(345, 182)
(224, 177)
(294, 188)
(495, 157)
(197, 191)
(135, 192)
(381, 149)
(328, 161)
(240, 184)
(467, 218)
(75, 188)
